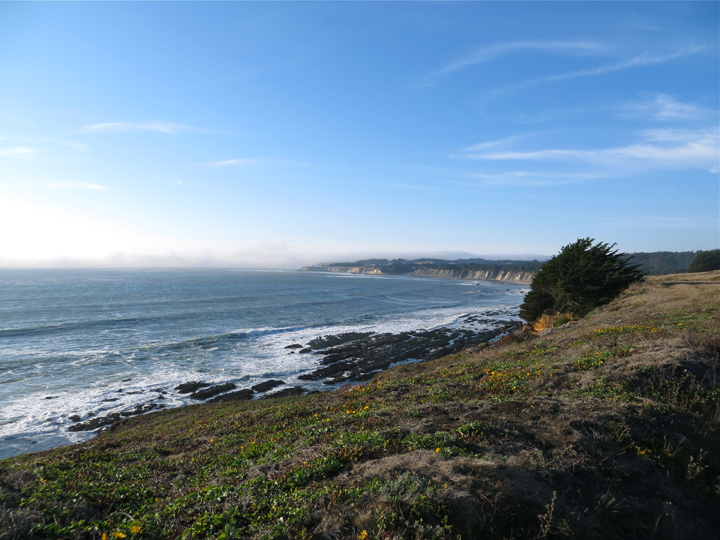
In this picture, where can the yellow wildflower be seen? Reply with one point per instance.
(136, 529)
(363, 535)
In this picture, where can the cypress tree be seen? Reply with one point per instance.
(581, 277)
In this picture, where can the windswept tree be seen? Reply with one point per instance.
(581, 277)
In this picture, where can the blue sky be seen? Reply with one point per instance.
(280, 134)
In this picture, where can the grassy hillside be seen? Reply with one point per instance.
(603, 428)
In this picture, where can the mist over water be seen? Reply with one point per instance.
(93, 342)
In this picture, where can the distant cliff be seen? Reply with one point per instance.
(507, 275)
(510, 276)
(345, 269)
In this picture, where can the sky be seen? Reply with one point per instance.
(272, 135)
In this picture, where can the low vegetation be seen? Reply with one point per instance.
(605, 427)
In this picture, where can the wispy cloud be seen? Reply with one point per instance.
(232, 162)
(18, 152)
(500, 142)
(664, 107)
(529, 178)
(165, 181)
(659, 147)
(265, 162)
(76, 185)
(163, 127)
(495, 50)
(635, 61)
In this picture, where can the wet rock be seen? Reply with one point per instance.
(240, 395)
(106, 420)
(358, 356)
(126, 380)
(305, 351)
(192, 386)
(293, 391)
(74, 418)
(294, 346)
(213, 391)
(111, 399)
(267, 385)
(337, 339)
(51, 397)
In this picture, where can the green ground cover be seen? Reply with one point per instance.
(597, 429)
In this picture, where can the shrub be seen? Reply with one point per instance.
(706, 261)
(581, 277)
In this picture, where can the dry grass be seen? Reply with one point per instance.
(603, 428)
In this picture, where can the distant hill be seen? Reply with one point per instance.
(658, 263)
(405, 266)
(477, 269)
(654, 263)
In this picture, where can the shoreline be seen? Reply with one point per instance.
(500, 276)
(335, 360)
(347, 358)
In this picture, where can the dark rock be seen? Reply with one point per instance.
(293, 391)
(126, 380)
(338, 339)
(359, 356)
(294, 346)
(213, 391)
(51, 397)
(240, 395)
(101, 421)
(305, 351)
(74, 418)
(267, 385)
(192, 386)
(111, 399)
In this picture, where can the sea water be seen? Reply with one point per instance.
(93, 342)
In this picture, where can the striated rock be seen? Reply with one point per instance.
(192, 386)
(294, 391)
(240, 395)
(213, 391)
(267, 385)
(106, 420)
(358, 357)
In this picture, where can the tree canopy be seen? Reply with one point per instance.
(581, 277)
(706, 261)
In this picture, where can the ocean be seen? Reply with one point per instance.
(87, 343)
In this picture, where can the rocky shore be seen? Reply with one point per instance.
(335, 359)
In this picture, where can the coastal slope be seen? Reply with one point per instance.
(606, 427)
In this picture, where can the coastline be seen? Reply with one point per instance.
(347, 358)
(535, 433)
(503, 276)
(301, 359)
